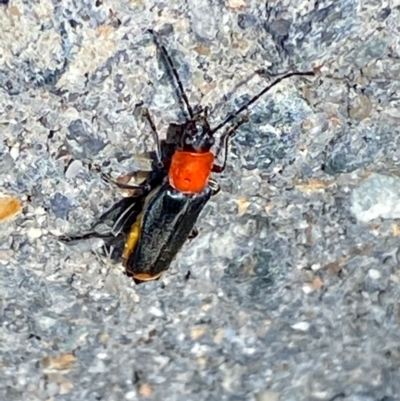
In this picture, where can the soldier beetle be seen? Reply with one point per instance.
(152, 225)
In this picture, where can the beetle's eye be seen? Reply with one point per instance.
(199, 129)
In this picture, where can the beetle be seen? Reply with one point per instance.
(152, 225)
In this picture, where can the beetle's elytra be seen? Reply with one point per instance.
(151, 225)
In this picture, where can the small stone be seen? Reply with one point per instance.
(301, 266)
(311, 287)
(219, 336)
(34, 233)
(197, 331)
(374, 274)
(130, 395)
(202, 361)
(307, 289)
(145, 390)
(156, 311)
(360, 108)
(396, 229)
(243, 205)
(236, 4)
(267, 395)
(317, 284)
(105, 30)
(60, 205)
(246, 21)
(376, 197)
(314, 185)
(202, 50)
(73, 169)
(66, 388)
(206, 307)
(14, 11)
(315, 267)
(104, 337)
(40, 211)
(9, 208)
(62, 362)
(301, 326)
(14, 152)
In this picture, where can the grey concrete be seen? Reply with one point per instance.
(294, 286)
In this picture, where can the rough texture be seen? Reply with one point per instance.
(294, 290)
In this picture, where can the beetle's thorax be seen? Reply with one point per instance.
(192, 163)
(190, 171)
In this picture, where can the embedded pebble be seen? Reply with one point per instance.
(197, 332)
(307, 289)
(267, 395)
(66, 388)
(60, 205)
(14, 152)
(34, 233)
(376, 197)
(145, 390)
(131, 395)
(374, 274)
(360, 108)
(301, 326)
(73, 169)
(9, 208)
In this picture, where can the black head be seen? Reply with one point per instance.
(194, 135)
(197, 135)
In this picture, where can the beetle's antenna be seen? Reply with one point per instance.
(256, 97)
(174, 71)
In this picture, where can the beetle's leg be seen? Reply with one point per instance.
(215, 187)
(139, 190)
(114, 247)
(193, 234)
(68, 238)
(156, 137)
(223, 144)
(124, 220)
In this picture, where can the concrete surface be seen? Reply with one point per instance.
(294, 287)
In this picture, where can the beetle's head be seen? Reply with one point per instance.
(197, 135)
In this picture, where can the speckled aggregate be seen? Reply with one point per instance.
(294, 287)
